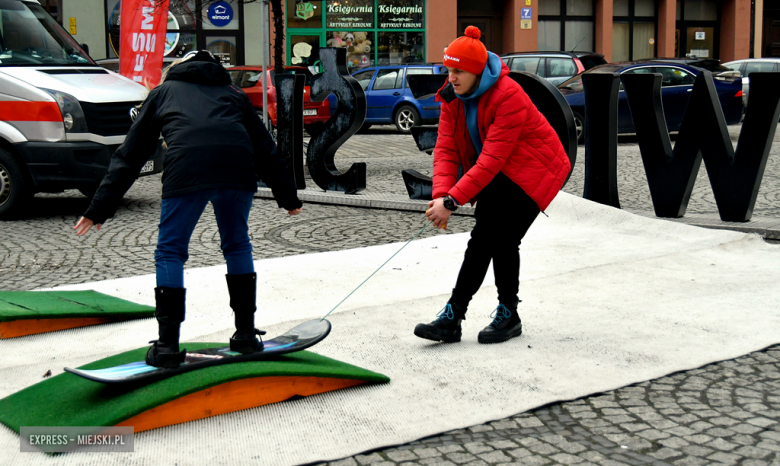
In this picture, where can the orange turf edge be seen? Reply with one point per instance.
(20, 328)
(234, 396)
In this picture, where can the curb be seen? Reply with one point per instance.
(369, 201)
(767, 227)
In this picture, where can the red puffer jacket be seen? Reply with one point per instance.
(517, 140)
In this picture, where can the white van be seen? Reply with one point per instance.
(61, 115)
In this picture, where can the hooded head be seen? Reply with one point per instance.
(197, 67)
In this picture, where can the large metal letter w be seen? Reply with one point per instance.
(735, 176)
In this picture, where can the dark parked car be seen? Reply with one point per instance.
(250, 80)
(752, 65)
(391, 101)
(555, 67)
(678, 78)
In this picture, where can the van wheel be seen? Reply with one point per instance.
(15, 189)
(405, 118)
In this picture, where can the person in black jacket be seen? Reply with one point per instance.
(217, 146)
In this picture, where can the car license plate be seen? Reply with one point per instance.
(312, 112)
(148, 167)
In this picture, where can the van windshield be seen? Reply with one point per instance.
(30, 36)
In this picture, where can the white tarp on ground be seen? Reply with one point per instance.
(610, 299)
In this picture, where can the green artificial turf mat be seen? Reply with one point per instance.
(20, 305)
(69, 400)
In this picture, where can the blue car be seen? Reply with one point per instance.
(390, 101)
(678, 78)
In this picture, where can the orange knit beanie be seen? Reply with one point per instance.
(467, 53)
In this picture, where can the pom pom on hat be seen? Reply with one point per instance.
(467, 53)
(473, 32)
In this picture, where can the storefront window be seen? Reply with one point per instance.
(550, 7)
(359, 45)
(303, 14)
(644, 8)
(697, 28)
(401, 14)
(700, 10)
(223, 48)
(579, 7)
(641, 8)
(644, 41)
(620, 8)
(354, 14)
(700, 42)
(400, 47)
(549, 35)
(569, 27)
(380, 32)
(579, 35)
(620, 42)
(181, 35)
(305, 50)
(633, 30)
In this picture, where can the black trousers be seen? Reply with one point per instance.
(504, 213)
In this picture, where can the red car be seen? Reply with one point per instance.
(250, 80)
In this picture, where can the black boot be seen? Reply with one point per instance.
(170, 314)
(242, 289)
(446, 327)
(506, 324)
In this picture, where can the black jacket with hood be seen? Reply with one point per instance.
(215, 141)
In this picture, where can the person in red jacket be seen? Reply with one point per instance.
(496, 148)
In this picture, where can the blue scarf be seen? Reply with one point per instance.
(490, 75)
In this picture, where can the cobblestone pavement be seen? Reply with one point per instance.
(723, 413)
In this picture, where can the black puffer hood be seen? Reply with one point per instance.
(199, 72)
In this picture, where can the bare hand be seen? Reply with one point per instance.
(84, 225)
(437, 213)
(295, 211)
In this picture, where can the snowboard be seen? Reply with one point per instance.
(298, 338)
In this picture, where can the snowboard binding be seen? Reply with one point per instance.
(245, 342)
(160, 356)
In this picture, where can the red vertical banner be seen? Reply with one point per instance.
(143, 24)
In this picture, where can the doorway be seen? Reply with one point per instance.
(480, 22)
(699, 42)
(487, 15)
(698, 29)
(771, 37)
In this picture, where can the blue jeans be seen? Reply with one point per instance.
(178, 217)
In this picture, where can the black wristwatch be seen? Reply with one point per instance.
(450, 204)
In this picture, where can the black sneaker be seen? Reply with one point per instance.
(506, 324)
(163, 356)
(245, 341)
(445, 328)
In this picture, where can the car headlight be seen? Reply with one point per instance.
(72, 114)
